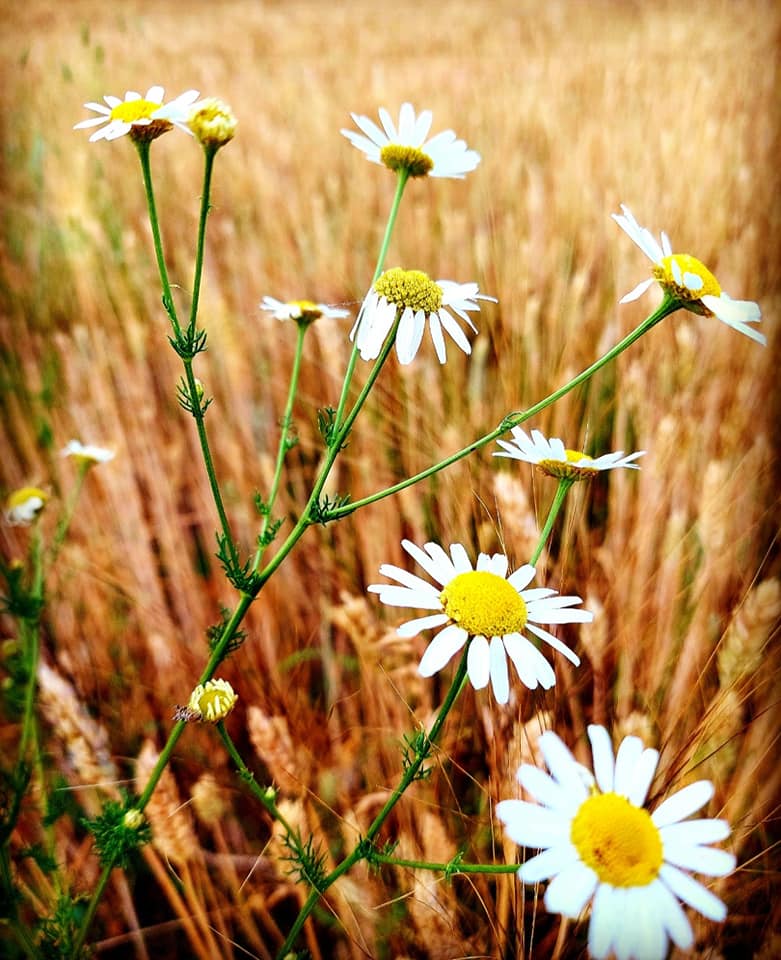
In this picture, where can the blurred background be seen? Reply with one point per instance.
(575, 108)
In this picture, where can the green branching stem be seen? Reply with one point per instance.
(363, 847)
(450, 869)
(287, 420)
(401, 182)
(667, 306)
(179, 337)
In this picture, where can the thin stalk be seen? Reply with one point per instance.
(168, 303)
(401, 182)
(64, 522)
(143, 147)
(561, 492)
(249, 779)
(287, 419)
(89, 913)
(667, 306)
(208, 166)
(450, 869)
(360, 851)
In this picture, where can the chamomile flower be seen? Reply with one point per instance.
(302, 311)
(87, 454)
(404, 147)
(688, 280)
(600, 845)
(553, 458)
(24, 505)
(415, 300)
(211, 120)
(138, 115)
(485, 608)
(212, 701)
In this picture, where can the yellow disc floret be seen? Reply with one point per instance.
(131, 111)
(396, 156)
(410, 288)
(213, 701)
(617, 840)
(687, 279)
(213, 122)
(484, 604)
(562, 470)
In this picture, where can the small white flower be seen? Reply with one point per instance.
(416, 300)
(601, 846)
(135, 112)
(553, 458)
(688, 280)
(484, 607)
(87, 453)
(212, 701)
(300, 310)
(405, 147)
(24, 505)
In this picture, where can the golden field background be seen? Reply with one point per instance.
(575, 108)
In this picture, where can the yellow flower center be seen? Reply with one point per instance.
(20, 497)
(130, 110)
(308, 311)
(484, 604)
(562, 470)
(410, 288)
(696, 280)
(396, 156)
(617, 840)
(213, 700)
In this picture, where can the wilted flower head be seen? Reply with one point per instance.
(302, 311)
(600, 845)
(212, 701)
(688, 280)
(139, 116)
(24, 505)
(554, 459)
(405, 147)
(212, 121)
(415, 300)
(87, 454)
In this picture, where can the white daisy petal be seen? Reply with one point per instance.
(636, 292)
(629, 752)
(528, 824)
(441, 650)
(554, 642)
(500, 680)
(683, 803)
(545, 790)
(548, 863)
(413, 627)
(708, 860)
(478, 663)
(602, 752)
(532, 667)
(569, 891)
(695, 832)
(692, 893)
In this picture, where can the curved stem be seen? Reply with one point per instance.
(401, 182)
(287, 420)
(561, 492)
(667, 306)
(143, 147)
(450, 869)
(410, 775)
(208, 166)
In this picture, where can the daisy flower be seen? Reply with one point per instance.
(415, 300)
(302, 311)
(688, 280)
(211, 120)
(551, 456)
(212, 701)
(137, 115)
(24, 505)
(601, 846)
(87, 454)
(485, 608)
(405, 147)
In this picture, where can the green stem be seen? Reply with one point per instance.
(410, 775)
(209, 155)
(143, 147)
(266, 797)
(450, 869)
(168, 302)
(287, 420)
(401, 182)
(561, 492)
(667, 306)
(64, 522)
(89, 913)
